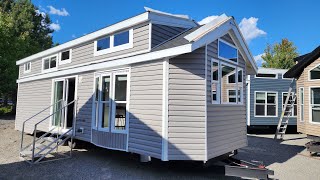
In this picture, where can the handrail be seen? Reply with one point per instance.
(23, 124)
(35, 126)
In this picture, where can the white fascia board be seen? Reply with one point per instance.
(108, 30)
(207, 28)
(115, 63)
(157, 18)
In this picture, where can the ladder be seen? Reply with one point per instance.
(47, 144)
(286, 112)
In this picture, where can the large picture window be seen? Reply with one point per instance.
(266, 104)
(293, 112)
(315, 104)
(226, 83)
(110, 102)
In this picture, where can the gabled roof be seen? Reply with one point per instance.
(303, 62)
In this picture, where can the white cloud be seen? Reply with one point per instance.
(249, 29)
(207, 19)
(259, 60)
(62, 12)
(43, 14)
(55, 26)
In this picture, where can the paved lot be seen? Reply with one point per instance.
(97, 163)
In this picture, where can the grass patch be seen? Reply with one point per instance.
(5, 110)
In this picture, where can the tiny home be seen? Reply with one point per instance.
(267, 92)
(307, 75)
(154, 84)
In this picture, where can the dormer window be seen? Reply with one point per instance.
(227, 51)
(116, 42)
(49, 63)
(27, 67)
(65, 57)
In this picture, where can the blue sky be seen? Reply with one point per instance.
(262, 22)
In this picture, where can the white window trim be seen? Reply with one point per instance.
(217, 82)
(24, 68)
(99, 125)
(301, 104)
(113, 48)
(255, 76)
(67, 61)
(310, 106)
(228, 60)
(265, 108)
(292, 114)
(50, 69)
(237, 80)
(309, 73)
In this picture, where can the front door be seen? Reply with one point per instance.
(64, 94)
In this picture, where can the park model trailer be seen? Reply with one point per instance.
(266, 94)
(154, 84)
(307, 75)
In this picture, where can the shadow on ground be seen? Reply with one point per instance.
(99, 163)
(269, 150)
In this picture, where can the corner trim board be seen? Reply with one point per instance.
(165, 120)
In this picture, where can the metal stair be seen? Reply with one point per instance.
(48, 143)
(286, 112)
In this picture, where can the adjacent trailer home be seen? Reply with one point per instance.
(307, 75)
(155, 84)
(267, 92)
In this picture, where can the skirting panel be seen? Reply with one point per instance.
(109, 140)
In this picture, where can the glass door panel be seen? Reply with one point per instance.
(120, 102)
(105, 101)
(58, 96)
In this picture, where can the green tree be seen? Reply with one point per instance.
(23, 31)
(280, 55)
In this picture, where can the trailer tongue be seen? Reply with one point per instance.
(240, 168)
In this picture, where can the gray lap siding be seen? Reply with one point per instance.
(226, 124)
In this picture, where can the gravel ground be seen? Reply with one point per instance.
(287, 158)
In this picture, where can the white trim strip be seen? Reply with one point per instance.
(165, 110)
(116, 63)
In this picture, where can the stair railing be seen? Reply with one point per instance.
(36, 125)
(23, 124)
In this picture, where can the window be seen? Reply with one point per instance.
(49, 63)
(215, 82)
(65, 57)
(110, 102)
(27, 67)
(121, 38)
(315, 73)
(103, 44)
(301, 104)
(266, 104)
(267, 76)
(315, 105)
(227, 51)
(113, 43)
(226, 83)
(293, 112)
(232, 95)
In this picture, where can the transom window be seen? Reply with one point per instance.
(110, 102)
(315, 73)
(115, 42)
(226, 83)
(65, 57)
(267, 76)
(227, 51)
(293, 112)
(49, 63)
(27, 67)
(266, 104)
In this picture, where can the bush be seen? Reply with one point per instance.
(5, 110)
